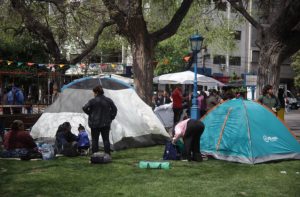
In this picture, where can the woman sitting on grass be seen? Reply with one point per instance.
(66, 141)
(19, 144)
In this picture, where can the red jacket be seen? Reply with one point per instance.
(18, 139)
(177, 98)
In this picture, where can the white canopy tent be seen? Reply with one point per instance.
(186, 77)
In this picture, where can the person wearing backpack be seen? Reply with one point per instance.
(101, 111)
(190, 131)
(15, 97)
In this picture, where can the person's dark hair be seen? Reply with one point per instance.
(213, 91)
(6, 90)
(81, 127)
(203, 93)
(266, 89)
(17, 125)
(16, 84)
(229, 95)
(280, 92)
(98, 90)
(66, 126)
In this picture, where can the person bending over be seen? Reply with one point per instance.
(190, 130)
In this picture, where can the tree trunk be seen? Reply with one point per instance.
(142, 52)
(269, 65)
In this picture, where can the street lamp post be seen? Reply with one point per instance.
(196, 43)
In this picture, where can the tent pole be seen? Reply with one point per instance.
(223, 127)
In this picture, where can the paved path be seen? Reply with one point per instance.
(292, 119)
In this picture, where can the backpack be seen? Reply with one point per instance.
(19, 97)
(10, 98)
(171, 152)
(100, 158)
(15, 96)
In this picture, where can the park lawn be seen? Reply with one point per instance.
(77, 177)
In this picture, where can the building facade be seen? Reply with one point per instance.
(245, 57)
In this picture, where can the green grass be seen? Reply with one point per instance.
(77, 177)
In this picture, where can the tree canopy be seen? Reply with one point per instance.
(278, 34)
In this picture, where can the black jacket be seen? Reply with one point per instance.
(101, 111)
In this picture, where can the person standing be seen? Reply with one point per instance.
(16, 97)
(269, 99)
(202, 103)
(6, 110)
(212, 100)
(281, 99)
(55, 93)
(190, 130)
(177, 103)
(101, 111)
(165, 99)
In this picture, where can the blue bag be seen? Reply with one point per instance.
(171, 152)
(19, 97)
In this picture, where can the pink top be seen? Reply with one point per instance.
(180, 129)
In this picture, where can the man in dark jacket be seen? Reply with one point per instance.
(101, 111)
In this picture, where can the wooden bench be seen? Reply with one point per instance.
(28, 119)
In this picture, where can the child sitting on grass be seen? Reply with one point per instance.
(83, 141)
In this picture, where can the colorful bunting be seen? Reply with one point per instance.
(53, 67)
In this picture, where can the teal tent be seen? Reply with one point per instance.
(247, 132)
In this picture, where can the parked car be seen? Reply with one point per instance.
(292, 100)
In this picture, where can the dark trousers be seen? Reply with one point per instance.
(191, 140)
(105, 138)
(177, 115)
(17, 110)
(6, 110)
(202, 112)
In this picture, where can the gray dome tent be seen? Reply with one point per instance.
(134, 126)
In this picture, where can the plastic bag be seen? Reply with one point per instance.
(47, 151)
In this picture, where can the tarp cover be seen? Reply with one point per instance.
(247, 132)
(134, 126)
